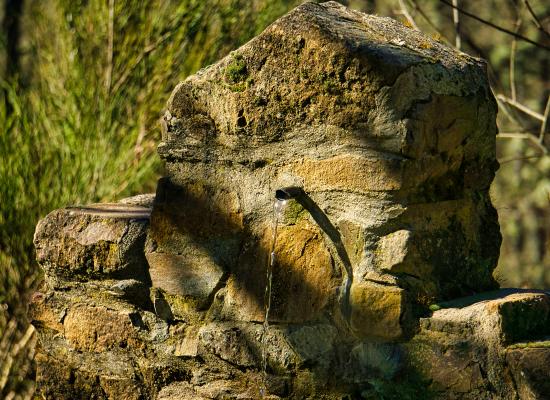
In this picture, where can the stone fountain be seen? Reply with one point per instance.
(388, 137)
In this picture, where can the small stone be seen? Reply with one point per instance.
(96, 241)
(189, 345)
(161, 306)
(378, 311)
(229, 343)
(133, 291)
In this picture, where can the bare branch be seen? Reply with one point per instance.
(456, 22)
(521, 107)
(524, 136)
(544, 124)
(508, 160)
(497, 27)
(145, 52)
(516, 135)
(513, 51)
(535, 19)
(404, 10)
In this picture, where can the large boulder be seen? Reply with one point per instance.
(390, 135)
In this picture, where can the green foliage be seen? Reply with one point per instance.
(83, 126)
(236, 70)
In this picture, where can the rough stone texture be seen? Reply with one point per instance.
(96, 241)
(464, 348)
(378, 310)
(390, 134)
(529, 368)
(390, 137)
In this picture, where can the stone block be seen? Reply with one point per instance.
(95, 241)
(378, 311)
(62, 373)
(379, 137)
(97, 328)
(229, 343)
(193, 275)
(304, 276)
(522, 315)
(529, 368)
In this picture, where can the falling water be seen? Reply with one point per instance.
(278, 207)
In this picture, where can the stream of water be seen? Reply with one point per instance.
(278, 208)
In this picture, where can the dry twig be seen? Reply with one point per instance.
(405, 11)
(521, 107)
(535, 19)
(144, 53)
(497, 27)
(456, 22)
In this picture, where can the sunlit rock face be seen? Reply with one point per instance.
(390, 134)
(389, 137)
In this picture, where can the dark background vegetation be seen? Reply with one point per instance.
(83, 83)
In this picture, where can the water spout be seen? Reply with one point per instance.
(287, 193)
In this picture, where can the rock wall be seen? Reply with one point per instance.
(388, 139)
(392, 136)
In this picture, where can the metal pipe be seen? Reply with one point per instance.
(287, 193)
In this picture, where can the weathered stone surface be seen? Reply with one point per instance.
(179, 391)
(384, 136)
(65, 374)
(463, 349)
(304, 277)
(96, 241)
(382, 359)
(96, 329)
(529, 367)
(132, 291)
(378, 311)
(229, 343)
(514, 314)
(523, 315)
(195, 275)
(388, 138)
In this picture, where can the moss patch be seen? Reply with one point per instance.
(236, 74)
(531, 345)
(294, 212)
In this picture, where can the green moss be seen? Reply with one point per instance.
(184, 307)
(236, 74)
(531, 345)
(330, 86)
(294, 212)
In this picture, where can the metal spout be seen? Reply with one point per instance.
(287, 193)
